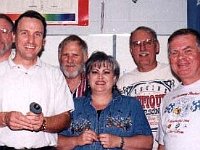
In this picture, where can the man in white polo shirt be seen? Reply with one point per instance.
(26, 79)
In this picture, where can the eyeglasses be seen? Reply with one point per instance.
(5, 31)
(146, 43)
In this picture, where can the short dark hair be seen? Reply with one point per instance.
(31, 14)
(99, 58)
(146, 29)
(7, 18)
(185, 31)
(72, 38)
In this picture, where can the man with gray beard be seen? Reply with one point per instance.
(6, 37)
(72, 55)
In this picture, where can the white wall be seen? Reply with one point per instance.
(120, 18)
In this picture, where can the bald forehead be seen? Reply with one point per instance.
(141, 32)
(4, 22)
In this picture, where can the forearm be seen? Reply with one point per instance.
(66, 143)
(161, 147)
(57, 123)
(139, 142)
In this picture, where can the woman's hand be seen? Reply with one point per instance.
(109, 140)
(87, 137)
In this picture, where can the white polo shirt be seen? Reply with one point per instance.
(43, 84)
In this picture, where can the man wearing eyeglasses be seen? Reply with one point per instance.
(6, 37)
(151, 80)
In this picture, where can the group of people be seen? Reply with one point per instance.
(85, 103)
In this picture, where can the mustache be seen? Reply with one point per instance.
(70, 65)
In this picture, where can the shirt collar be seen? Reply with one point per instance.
(12, 64)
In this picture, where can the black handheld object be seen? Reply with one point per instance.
(35, 108)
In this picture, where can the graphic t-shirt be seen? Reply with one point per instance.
(179, 127)
(150, 88)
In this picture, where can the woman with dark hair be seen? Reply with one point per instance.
(105, 119)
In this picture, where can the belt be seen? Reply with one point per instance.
(41, 148)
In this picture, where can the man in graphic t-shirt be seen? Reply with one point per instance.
(179, 124)
(151, 80)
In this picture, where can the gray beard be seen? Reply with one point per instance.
(71, 75)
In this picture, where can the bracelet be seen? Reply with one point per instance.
(44, 125)
(122, 143)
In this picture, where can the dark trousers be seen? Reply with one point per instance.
(42, 148)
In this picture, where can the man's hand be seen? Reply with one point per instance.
(17, 121)
(36, 120)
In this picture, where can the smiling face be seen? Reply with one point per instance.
(29, 40)
(184, 56)
(143, 48)
(101, 78)
(72, 59)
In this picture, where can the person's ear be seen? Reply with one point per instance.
(87, 77)
(13, 36)
(13, 41)
(85, 55)
(157, 47)
(43, 42)
(115, 80)
(131, 50)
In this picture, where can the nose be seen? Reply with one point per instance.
(69, 59)
(31, 38)
(181, 54)
(100, 75)
(142, 46)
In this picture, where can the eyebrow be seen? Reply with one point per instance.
(185, 48)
